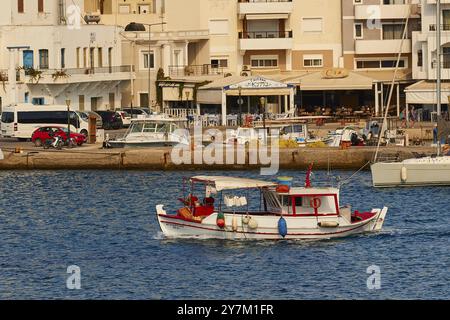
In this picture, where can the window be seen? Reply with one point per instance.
(264, 61)
(43, 59)
(63, 58)
(149, 59)
(358, 31)
(78, 57)
(218, 27)
(219, 63)
(393, 31)
(420, 58)
(28, 59)
(312, 25)
(7, 117)
(446, 57)
(20, 6)
(85, 57)
(40, 6)
(394, 2)
(100, 57)
(313, 61)
(380, 64)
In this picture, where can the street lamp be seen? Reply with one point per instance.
(263, 106)
(149, 25)
(68, 121)
(240, 101)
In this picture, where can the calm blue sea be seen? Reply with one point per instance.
(104, 222)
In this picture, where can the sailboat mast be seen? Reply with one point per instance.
(394, 77)
(438, 57)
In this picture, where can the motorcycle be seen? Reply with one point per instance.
(56, 142)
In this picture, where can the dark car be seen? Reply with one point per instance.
(111, 120)
(135, 112)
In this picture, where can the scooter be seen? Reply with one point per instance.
(56, 142)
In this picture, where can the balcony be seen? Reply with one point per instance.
(195, 70)
(75, 75)
(444, 27)
(382, 46)
(391, 11)
(265, 7)
(266, 40)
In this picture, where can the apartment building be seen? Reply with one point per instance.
(50, 54)
(372, 37)
(422, 95)
(335, 52)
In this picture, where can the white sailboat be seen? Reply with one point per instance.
(425, 171)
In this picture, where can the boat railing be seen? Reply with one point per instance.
(389, 158)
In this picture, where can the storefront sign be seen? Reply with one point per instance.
(335, 73)
(258, 83)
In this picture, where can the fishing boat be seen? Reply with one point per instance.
(278, 211)
(153, 132)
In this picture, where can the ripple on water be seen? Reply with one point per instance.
(105, 223)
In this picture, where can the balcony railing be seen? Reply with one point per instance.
(444, 64)
(195, 70)
(265, 34)
(444, 27)
(80, 71)
(256, 1)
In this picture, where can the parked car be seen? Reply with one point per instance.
(136, 112)
(40, 135)
(111, 120)
(125, 116)
(99, 121)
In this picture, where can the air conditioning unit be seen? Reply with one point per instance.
(92, 18)
(246, 67)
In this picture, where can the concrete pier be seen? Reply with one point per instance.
(160, 159)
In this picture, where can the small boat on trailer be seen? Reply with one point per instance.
(284, 212)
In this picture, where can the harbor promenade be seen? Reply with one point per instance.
(94, 158)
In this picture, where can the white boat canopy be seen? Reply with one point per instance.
(229, 183)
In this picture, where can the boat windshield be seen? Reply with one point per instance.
(137, 127)
(149, 127)
(163, 127)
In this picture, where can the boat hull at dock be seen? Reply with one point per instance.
(414, 172)
(299, 228)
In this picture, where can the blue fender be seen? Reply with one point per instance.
(282, 227)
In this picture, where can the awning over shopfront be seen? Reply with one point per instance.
(335, 79)
(217, 91)
(424, 92)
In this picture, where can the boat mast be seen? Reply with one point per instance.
(438, 55)
(438, 62)
(391, 90)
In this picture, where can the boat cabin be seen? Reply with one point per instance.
(235, 195)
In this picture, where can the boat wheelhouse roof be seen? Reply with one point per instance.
(231, 183)
(311, 191)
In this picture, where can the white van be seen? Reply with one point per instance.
(21, 120)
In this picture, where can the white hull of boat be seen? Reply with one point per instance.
(414, 172)
(299, 228)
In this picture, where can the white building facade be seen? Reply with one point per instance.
(49, 54)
